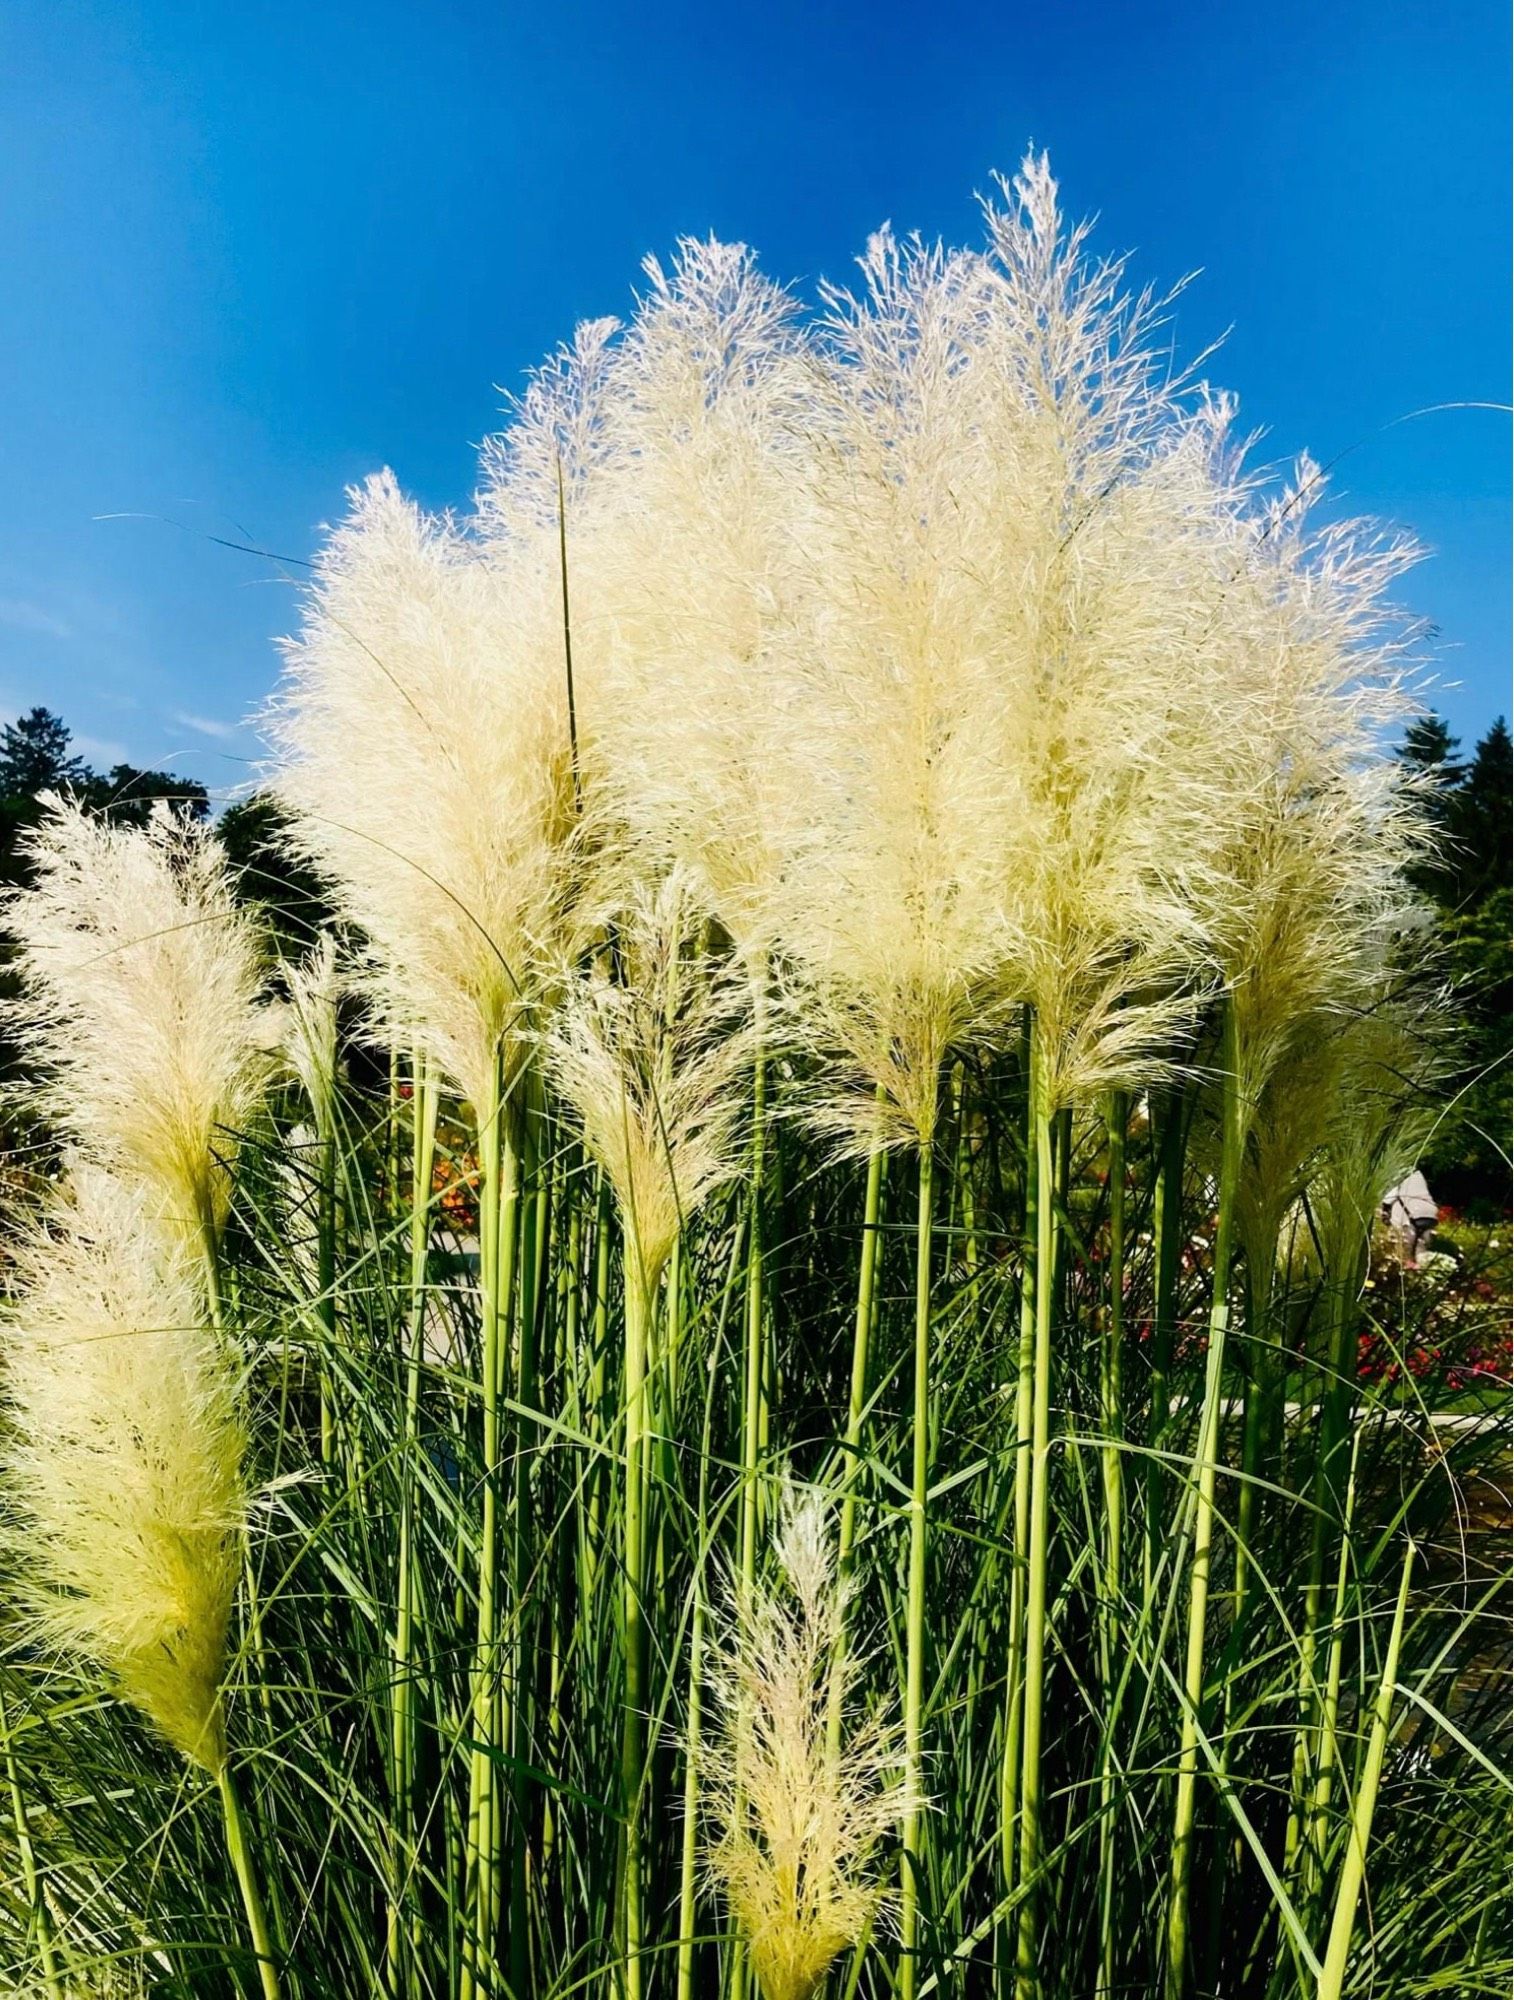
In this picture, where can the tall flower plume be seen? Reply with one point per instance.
(123, 1457)
(141, 1002)
(650, 1059)
(795, 1826)
(424, 725)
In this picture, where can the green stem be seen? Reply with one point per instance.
(424, 1104)
(29, 1873)
(1167, 1229)
(752, 1393)
(1112, 1464)
(252, 1901)
(499, 1196)
(632, 1761)
(1204, 1471)
(1027, 1955)
(914, 1671)
(1354, 1865)
(1014, 1679)
(867, 1273)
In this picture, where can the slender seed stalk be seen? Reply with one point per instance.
(499, 1198)
(755, 1379)
(29, 1875)
(1354, 1865)
(914, 1677)
(424, 1103)
(1205, 1469)
(1112, 1466)
(867, 1271)
(1167, 1231)
(1327, 1751)
(1027, 1958)
(1014, 1678)
(632, 1757)
(252, 1899)
(688, 1865)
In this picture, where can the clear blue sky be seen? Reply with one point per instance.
(252, 252)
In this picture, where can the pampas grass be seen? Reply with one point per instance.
(125, 1456)
(796, 1824)
(903, 726)
(141, 1004)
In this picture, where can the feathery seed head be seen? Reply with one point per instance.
(141, 1002)
(796, 1827)
(650, 1060)
(424, 726)
(123, 1458)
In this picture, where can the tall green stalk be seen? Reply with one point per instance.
(1204, 1472)
(1354, 1864)
(754, 1374)
(1014, 1677)
(499, 1197)
(867, 1272)
(424, 1102)
(1027, 1954)
(29, 1876)
(1167, 1232)
(240, 1854)
(632, 1755)
(1111, 1401)
(914, 1668)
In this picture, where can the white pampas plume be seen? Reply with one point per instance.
(123, 1458)
(795, 1825)
(683, 562)
(650, 1059)
(428, 768)
(309, 1021)
(141, 1002)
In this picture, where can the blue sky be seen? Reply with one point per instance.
(251, 253)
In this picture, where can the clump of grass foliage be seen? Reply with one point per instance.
(748, 1375)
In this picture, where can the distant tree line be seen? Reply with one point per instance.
(1469, 886)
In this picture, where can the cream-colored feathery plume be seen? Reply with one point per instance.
(141, 1002)
(1003, 535)
(795, 1824)
(309, 1021)
(650, 1059)
(123, 1458)
(424, 727)
(1313, 829)
(685, 563)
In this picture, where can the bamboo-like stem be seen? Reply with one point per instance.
(424, 1104)
(1354, 1863)
(688, 1866)
(499, 1196)
(30, 1878)
(534, 1222)
(1027, 1952)
(1014, 1678)
(240, 1855)
(1111, 1399)
(755, 1377)
(632, 1758)
(1204, 1471)
(867, 1273)
(1327, 1751)
(1167, 1232)
(914, 1668)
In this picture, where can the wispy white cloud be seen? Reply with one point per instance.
(204, 725)
(21, 615)
(99, 750)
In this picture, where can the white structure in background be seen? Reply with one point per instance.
(1411, 1211)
